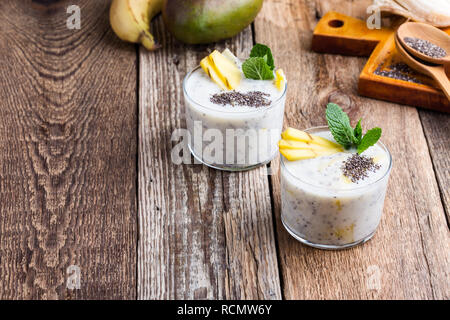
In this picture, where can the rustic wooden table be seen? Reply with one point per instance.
(86, 177)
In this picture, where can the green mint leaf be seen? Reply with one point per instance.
(345, 135)
(256, 68)
(358, 132)
(339, 125)
(263, 51)
(370, 138)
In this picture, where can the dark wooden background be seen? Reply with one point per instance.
(86, 177)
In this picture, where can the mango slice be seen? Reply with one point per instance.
(298, 135)
(226, 70)
(302, 154)
(300, 145)
(222, 69)
(293, 144)
(228, 54)
(297, 154)
(280, 80)
(211, 71)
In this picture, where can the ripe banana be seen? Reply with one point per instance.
(130, 20)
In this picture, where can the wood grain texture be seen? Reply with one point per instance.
(67, 153)
(437, 131)
(351, 38)
(410, 251)
(203, 234)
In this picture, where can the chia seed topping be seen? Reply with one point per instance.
(398, 71)
(248, 99)
(356, 167)
(426, 47)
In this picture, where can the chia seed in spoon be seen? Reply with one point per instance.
(426, 47)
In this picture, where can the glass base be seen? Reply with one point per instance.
(326, 246)
(232, 168)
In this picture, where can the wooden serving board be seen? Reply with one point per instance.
(340, 34)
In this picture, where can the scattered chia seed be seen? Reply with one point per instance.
(356, 167)
(234, 98)
(398, 71)
(425, 47)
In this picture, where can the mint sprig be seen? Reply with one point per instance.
(263, 51)
(358, 132)
(339, 125)
(345, 135)
(260, 65)
(370, 138)
(256, 68)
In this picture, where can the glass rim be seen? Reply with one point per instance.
(272, 105)
(283, 159)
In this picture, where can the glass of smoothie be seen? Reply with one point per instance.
(325, 207)
(233, 130)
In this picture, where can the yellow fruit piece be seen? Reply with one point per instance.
(130, 20)
(338, 205)
(212, 72)
(346, 179)
(228, 72)
(280, 80)
(294, 134)
(298, 154)
(346, 233)
(228, 54)
(298, 135)
(292, 144)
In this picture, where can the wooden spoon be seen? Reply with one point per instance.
(425, 32)
(437, 72)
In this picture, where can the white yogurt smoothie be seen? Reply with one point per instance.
(323, 208)
(232, 137)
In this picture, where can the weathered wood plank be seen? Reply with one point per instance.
(203, 234)
(410, 252)
(437, 131)
(67, 153)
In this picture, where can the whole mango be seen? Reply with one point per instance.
(205, 21)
